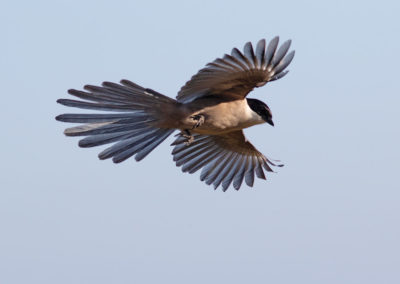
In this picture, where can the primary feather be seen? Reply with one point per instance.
(238, 74)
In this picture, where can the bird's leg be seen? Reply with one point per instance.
(199, 119)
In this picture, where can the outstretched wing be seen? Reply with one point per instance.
(224, 159)
(237, 74)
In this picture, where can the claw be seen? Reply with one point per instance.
(185, 134)
(189, 140)
(189, 137)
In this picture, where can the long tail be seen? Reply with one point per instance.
(133, 125)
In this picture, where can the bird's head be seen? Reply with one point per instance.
(261, 109)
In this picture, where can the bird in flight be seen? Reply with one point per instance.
(210, 112)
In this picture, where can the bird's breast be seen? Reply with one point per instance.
(225, 117)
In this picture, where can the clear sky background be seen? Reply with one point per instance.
(331, 215)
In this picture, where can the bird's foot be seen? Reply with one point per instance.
(199, 119)
(185, 134)
(189, 137)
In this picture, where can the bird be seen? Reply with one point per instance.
(210, 112)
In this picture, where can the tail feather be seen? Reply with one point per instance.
(98, 94)
(106, 127)
(133, 128)
(96, 106)
(92, 117)
(88, 129)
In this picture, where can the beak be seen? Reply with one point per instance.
(270, 122)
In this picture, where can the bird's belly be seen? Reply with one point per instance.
(225, 117)
(219, 125)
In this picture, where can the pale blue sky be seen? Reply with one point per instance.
(331, 215)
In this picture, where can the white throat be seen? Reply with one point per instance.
(252, 117)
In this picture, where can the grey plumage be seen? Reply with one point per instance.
(260, 51)
(138, 119)
(249, 54)
(284, 63)
(269, 53)
(239, 73)
(216, 153)
(133, 129)
(280, 53)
